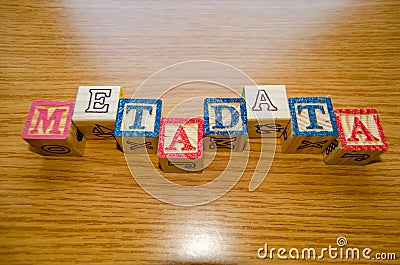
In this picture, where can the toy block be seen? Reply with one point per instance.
(96, 109)
(267, 110)
(49, 130)
(225, 124)
(361, 139)
(137, 125)
(180, 146)
(312, 128)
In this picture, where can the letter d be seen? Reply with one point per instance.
(219, 119)
(265, 250)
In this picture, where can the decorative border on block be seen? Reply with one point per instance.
(332, 118)
(36, 103)
(120, 115)
(199, 153)
(342, 138)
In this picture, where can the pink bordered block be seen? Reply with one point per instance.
(181, 138)
(50, 131)
(48, 120)
(360, 129)
(180, 145)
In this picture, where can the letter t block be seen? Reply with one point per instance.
(49, 129)
(361, 138)
(180, 146)
(313, 126)
(96, 109)
(225, 124)
(137, 125)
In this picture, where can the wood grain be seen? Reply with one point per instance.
(90, 210)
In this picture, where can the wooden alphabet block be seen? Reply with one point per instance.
(180, 146)
(137, 125)
(360, 140)
(267, 110)
(312, 128)
(225, 124)
(96, 109)
(49, 129)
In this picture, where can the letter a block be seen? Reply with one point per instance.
(137, 125)
(49, 129)
(96, 109)
(267, 110)
(313, 126)
(180, 147)
(225, 124)
(360, 140)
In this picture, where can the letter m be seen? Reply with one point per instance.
(43, 117)
(311, 253)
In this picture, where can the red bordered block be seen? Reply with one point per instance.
(49, 129)
(361, 138)
(180, 145)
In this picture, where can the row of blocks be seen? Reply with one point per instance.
(304, 125)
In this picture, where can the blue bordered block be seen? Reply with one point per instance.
(225, 124)
(313, 126)
(137, 125)
(267, 110)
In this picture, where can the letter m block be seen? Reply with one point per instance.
(313, 126)
(225, 124)
(361, 138)
(137, 125)
(49, 129)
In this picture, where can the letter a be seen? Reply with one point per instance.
(262, 98)
(182, 138)
(359, 128)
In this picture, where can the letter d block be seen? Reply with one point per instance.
(137, 125)
(96, 109)
(361, 138)
(313, 126)
(180, 147)
(267, 110)
(49, 129)
(225, 124)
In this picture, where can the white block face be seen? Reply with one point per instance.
(96, 110)
(139, 117)
(321, 113)
(97, 103)
(266, 102)
(227, 118)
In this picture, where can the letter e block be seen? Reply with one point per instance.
(267, 110)
(312, 128)
(137, 125)
(96, 109)
(180, 146)
(49, 130)
(360, 140)
(225, 124)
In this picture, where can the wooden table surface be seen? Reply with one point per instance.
(90, 210)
